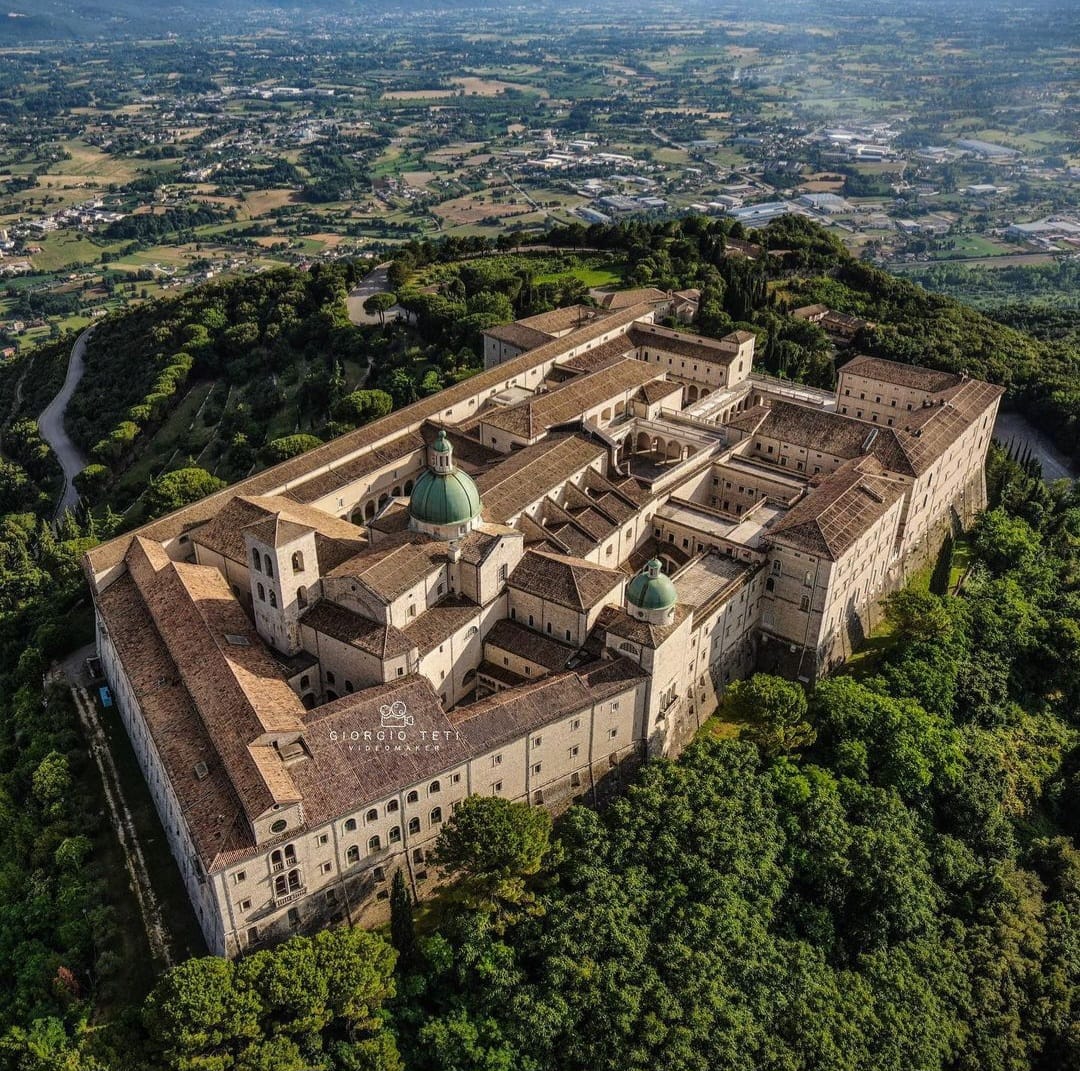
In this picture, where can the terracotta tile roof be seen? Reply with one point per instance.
(345, 774)
(332, 619)
(482, 540)
(320, 485)
(568, 318)
(749, 420)
(224, 533)
(363, 441)
(604, 355)
(931, 380)
(935, 428)
(840, 436)
(658, 390)
(238, 690)
(809, 312)
(619, 624)
(622, 299)
(437, 624)
(209, 803)
(571, 582)
(509, 636)
(394, 565)
(530, 473)
(840, 509)
(570, 400)
(510, 714)
(519, 335)
(708, 350)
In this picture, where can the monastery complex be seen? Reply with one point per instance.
(524, 585)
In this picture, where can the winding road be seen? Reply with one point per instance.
(51, 426)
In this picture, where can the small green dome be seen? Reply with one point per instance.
(651, 590)
(441, 445)
(444, 498)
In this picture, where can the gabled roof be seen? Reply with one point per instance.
(840, 509)
(237, 689)
(571, 582)
(331, 619)
(262, 515)
(528, 474)
(930, 380)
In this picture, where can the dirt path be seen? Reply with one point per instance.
(51, 426)
(157, 934)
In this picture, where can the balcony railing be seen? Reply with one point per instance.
(290, 897)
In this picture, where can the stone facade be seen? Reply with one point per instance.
(314, 670)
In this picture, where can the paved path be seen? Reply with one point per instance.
(51, 426)
(1015, 430)
(375, 282)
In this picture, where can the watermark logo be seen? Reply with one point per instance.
(396, 732)
(395, 716)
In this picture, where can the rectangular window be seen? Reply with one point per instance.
(245, 905)
(496, 760)
(575, 725)
(496, 788)
(239, 876)
(327, 867)
(574, 751)
(323, 838)
(537, 766)
(537, 741)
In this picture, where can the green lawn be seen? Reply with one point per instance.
(600, 276)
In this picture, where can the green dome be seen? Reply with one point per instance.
(444, 498)
(441, 445)
(651, 590)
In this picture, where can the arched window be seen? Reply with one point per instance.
(298, 561)
(273, 600)
(392, 806)
(770, 584)
(268, 565)
(281, 886)
(348, 687)
(275, 860)
(352, 855)
(414, 825)
(395, 835)
(412, 797)
(294, 880)
(290, 855)
(262, 592)
(330, 678)
(372, 815)
(255, 561)
(305, 681)
(436, 816)
(776, 566)
(433, 788)
(350, 825)
(301, 597)
(374, 844)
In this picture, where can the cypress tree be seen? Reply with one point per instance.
(402, 935)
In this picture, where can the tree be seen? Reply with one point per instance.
(180, 488)
(380, 304)
(362, 406)
(198, 1017)
(494, 844)
(288, 446)
(774, 711)
(402, 934)
(917, 616)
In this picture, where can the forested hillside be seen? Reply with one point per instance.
(881, 873)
